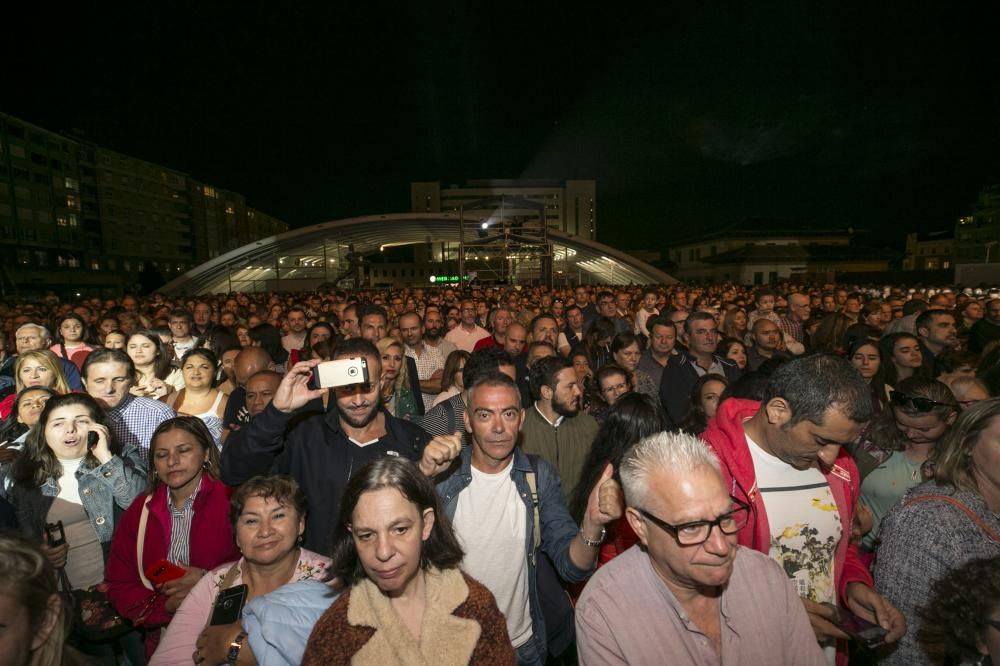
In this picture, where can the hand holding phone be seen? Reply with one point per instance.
(98, 440)
(164, 571)
(55, 533)
(342, 372)
(859, 629)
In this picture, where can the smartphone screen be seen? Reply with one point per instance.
(229, 605)
(860, 629)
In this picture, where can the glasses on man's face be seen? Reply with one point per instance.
(698, 531)
(915, 403)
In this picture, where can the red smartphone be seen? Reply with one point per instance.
(164, 571)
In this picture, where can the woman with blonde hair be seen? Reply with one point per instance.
(397, 397)
(38, 368)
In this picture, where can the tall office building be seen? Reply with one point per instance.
(79, 217)
(569, 205)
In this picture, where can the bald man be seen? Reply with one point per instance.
(248, 362)
(260, 390)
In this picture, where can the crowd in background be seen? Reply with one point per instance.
(507, 443)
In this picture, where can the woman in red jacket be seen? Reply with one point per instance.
(184, 519)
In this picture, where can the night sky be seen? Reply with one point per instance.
(688, 115)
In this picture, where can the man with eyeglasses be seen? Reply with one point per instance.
(607, 307)
(784, 457)
(690, 594)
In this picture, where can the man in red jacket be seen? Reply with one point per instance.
(784, 457)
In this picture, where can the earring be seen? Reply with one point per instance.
(207, 466)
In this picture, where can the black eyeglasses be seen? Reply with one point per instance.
(913, 402)
(698, 531)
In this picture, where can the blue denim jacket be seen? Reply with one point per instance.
(102, 489)
(558, 527)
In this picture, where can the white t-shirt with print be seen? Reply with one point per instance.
(804, 523)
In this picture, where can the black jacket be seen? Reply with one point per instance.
(679, 378)
(316, 453)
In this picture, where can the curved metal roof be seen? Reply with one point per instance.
(303, 258)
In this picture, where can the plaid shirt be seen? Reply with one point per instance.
(427, 364)
(792, 329)
(135, 420)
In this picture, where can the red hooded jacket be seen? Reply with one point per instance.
(211, 544)
(726, 437)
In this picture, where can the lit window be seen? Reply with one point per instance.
(61, 220)
(71, 184)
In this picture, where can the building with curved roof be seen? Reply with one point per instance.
(329, 252)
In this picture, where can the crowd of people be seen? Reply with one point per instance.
(798, 474)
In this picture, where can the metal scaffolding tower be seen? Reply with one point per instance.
(504, 239)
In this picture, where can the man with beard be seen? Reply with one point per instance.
(553, 427)
(937, 333)
(434, 331)
(321, 451)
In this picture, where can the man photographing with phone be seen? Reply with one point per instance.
(322, 450)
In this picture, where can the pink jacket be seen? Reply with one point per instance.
(726, 437)
(211, 544)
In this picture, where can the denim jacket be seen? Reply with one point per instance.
(558, 527)
(105, 491)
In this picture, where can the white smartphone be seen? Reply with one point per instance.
(341, 372)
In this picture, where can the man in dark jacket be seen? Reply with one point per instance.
(323, 450)
(683, 370)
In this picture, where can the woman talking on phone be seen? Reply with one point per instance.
(68, 484)
(268, 516)
(173, 534)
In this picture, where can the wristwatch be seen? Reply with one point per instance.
(594, 543)
(235, 647)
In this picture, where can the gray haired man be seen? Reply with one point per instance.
(690, 594)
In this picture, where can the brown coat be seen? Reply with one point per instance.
(461, 625)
